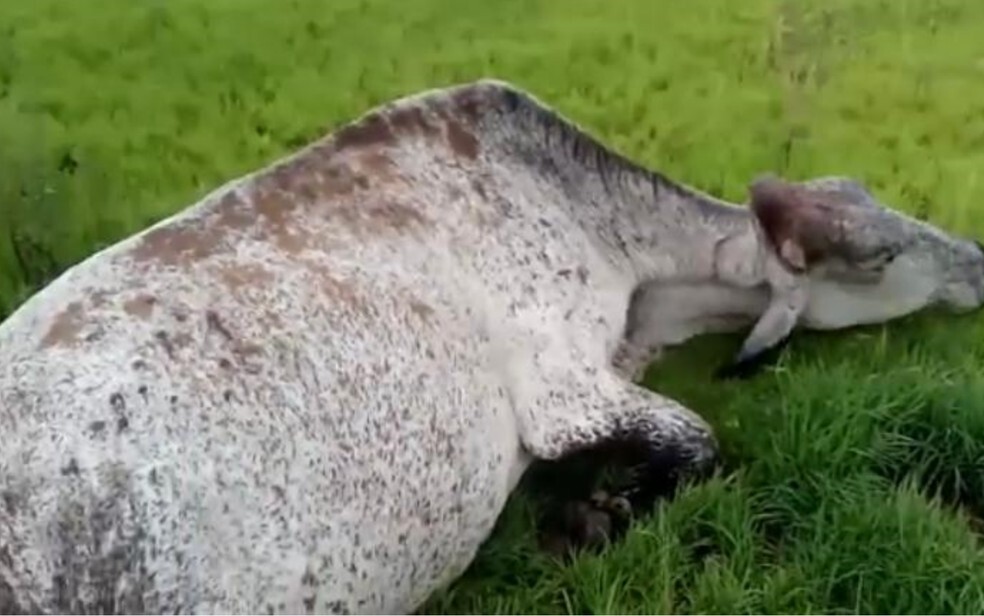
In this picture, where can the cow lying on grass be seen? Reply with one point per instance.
(314, 390)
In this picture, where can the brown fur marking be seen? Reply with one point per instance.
(177, 244)
(462, 141)
(141, 306)
(66, 328)
(274, 210)
(236, 277)
(373, 130)
(378, 164)
(412, 121)
(396, 216)
(194, 240)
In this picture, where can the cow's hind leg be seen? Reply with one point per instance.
(602, 419)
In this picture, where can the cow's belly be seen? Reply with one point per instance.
(171, 494)
(189, 460)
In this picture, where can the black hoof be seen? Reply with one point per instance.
(741, 369)
(746, 367)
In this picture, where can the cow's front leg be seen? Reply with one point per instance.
(662, 441)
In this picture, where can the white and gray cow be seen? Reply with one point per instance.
(314, 390)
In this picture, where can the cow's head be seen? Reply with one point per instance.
(836, 257)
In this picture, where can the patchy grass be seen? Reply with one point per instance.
(855, 475)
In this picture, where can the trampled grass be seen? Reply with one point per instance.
(855, 469)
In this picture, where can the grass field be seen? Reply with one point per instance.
(855, 469)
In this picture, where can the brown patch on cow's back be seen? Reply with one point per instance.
(284, 205)
(141, 306)
(66, 328)
(372, 130)
(412, 120)
(275, 210)
(322, 185)
(199, 237)
(463, 142)
(338, 180)
(238, 276)
(176, 243)
(232, 213)
(460, 136)
(394, 215)
(321, 175)
(378, 165)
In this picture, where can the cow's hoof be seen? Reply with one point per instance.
(737, 370)
(587, 525)
(747, 366)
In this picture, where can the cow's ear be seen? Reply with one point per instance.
(794, 224)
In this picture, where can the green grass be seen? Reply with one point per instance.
(855, 469)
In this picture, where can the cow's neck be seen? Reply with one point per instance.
(675, 233)
(659, 229)
(667, 232)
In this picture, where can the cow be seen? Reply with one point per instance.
(314, 389)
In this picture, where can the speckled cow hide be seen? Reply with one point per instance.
(314, 390)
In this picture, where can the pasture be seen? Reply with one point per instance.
(854, 470)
